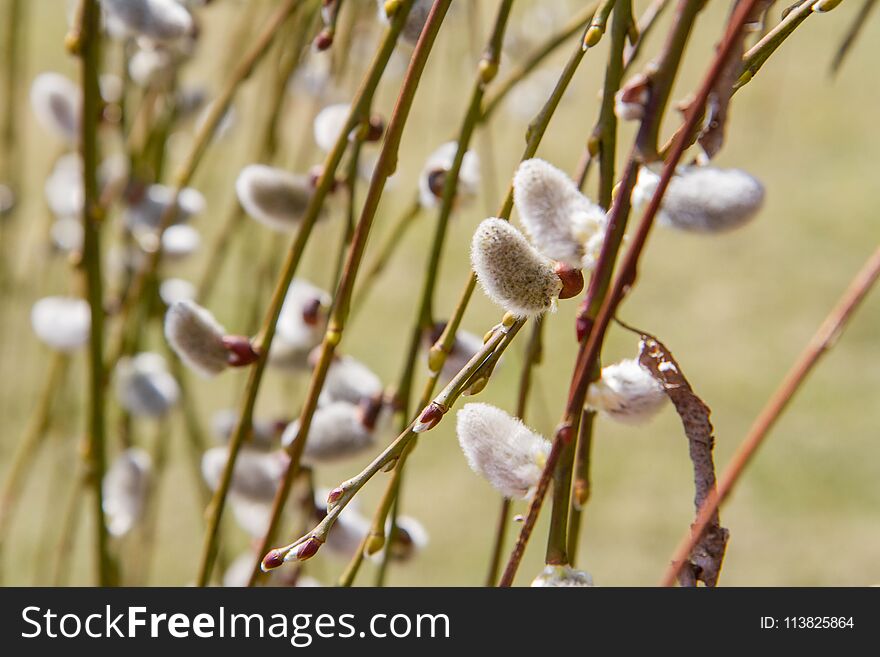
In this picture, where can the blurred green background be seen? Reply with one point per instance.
(735, 309)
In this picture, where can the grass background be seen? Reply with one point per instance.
(736, 310)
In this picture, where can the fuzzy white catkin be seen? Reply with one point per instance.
(196, 337)
(295, 336)
(144, 387)
(274, 197)
(562, 576)
(562, 223)
(256, 474)
(329, 124)
(703, 199)
(337, 432)
(62, 323)
(415, 21)
(438, 163)
(57, 103)
(263, 432)
(64, 187)
(125, 489)
(158, 20)
(146, 213)
(501, 449)
(349, 380)
(626, 392)
(180, 241)
(511, 272)
(172, 290)
(151, 67)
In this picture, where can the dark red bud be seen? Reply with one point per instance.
(308, 549)
(273, 559)
(582, 326)
(241, 351)
(436, 181)
(315, 174)
(572, 280)
(429, 418)
(324, 40)
(311, 312)
(375, 129)
(335, 494)
(370, 407)
(565, 433)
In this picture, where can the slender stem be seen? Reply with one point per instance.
(30, 444)
(391, 243)
(581, 486)
(202, 139)
(521, 71)
(664, 73)
(384, 167)
(67, 534)
(594, 332)
(759, 53)
(852, 34)
(824, 339)
(11, 165)
(89, 50)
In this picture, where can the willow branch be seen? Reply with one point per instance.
(824, 339)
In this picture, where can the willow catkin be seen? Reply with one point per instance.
(256, 474)
(432, 178)
(196, 337)
(703, 199)
(274, 197)
(501, 449)
(125, 488)
(62, 323)
(562, 576)
(349, 380)
(329, 124)
(56, 101)
(626, 392)
(337, 432)
(158, 20)
(146, 210)
(511, 272)
(562, 223)
(144, 387)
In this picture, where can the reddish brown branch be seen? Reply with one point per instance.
(821, 342)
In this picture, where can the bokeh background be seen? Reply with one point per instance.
(735, 309)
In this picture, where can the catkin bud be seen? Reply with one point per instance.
(274, 197)
(626, 392)
(501, 449)
(158, 20)
(196, 337)
(151, 68)
(263, 434)
(351, 381)
(144, 387)
(562, 576)
(512, 273)
(703, 199)
(329, 124)
(560, 221)
(337, 432)
(146, 209)
(630, 100)
(408, 540)
(62, 323)
(433, 175)
(256, 474)
(125, 489)
(300, 326)
(176, 289)
(57, 103)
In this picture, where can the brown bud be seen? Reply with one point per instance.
(273, 559)
(436, 182)
(308, 549)
(572, 280)
(324, 40)
(429, 418)
(335, 495)
(311, 312)
(241, 351)
(375, 128)
(370, 407)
